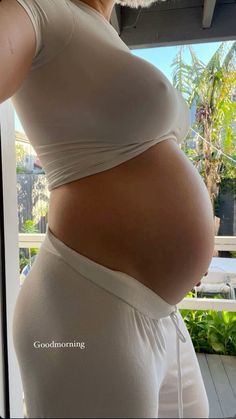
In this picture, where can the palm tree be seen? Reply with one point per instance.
(211, 89)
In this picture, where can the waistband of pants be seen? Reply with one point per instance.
(118, 283)
(123, 286)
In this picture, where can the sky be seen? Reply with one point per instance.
(162, 58)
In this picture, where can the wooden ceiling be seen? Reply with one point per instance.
(176, 22)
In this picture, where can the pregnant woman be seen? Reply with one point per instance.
(96, 329)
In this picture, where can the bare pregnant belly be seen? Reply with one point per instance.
(150, 217)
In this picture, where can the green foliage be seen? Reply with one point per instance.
(212, 332)
(20, 169)
(29, 227)
(22, 260)
(190, 294)
(210, 88)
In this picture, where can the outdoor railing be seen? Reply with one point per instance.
(224, 243)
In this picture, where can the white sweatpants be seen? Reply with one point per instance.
(92, 342)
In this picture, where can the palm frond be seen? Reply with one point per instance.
(230, 57)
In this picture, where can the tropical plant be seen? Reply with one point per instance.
(211, 89)
(212, 332)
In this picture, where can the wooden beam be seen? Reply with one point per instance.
(116, 18)
(208, 11)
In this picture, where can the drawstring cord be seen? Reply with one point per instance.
(179, 335)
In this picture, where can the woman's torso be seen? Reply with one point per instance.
(150, 217)
(102, 122)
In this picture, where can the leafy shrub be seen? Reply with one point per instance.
(211, 331)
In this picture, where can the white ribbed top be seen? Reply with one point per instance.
(88, 104)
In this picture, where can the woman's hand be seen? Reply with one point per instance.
(199, 283)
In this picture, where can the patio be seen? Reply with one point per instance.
(219, 375)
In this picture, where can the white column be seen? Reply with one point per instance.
(11, 248)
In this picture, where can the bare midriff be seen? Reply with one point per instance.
(150, 217)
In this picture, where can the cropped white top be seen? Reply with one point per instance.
(87, 103)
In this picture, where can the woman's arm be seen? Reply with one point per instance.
(17, 47)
